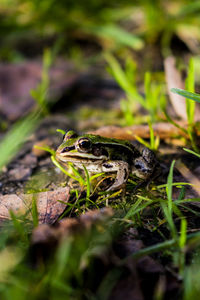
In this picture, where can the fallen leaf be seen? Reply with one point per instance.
(48, 204)
(162, 129)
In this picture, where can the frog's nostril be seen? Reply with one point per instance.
(64, 150)
(67, 149)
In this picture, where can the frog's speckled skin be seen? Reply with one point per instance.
(101, 154)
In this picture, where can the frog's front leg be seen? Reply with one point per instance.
(122, 168)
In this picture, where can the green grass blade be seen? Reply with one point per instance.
(119, 73)
(147, 89)
(96, 176)
(190, 239)
(183, 233)
(126, 108)
(177, 184)
(126, 83)
(136, 208)
(153, 249)
(131, 211)
(39, 94)
(168, 209)
(56, 163)
(142, 141)
(87, 182)
(61, 131)
(174, 123)
(181, 195)
(45, 148)
(169, 217)
(169, 186)
(186, 94)
(152, 137)
(16, 136)
(34, 212)
(131, 70)
(62, 257)
(79, 177)
(119, 35)
(192, 152)
(19, 226)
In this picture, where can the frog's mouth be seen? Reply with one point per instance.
(78, 156)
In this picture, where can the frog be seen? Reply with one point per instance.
(110, 155)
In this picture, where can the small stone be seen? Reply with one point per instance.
(20, 173)
(29, 160)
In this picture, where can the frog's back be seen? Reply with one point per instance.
(106, 140)
(117, 149)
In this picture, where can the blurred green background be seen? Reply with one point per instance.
(26, 27)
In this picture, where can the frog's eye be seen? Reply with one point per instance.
(69, 135)
(84, 145)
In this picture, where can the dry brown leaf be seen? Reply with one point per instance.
(162, 129)
(48, 204)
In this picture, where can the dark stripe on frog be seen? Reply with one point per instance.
(108, 166)
(125, 174)
(80, 158)
(130, 152)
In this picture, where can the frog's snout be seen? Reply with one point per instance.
(62, 150)
(67, 149)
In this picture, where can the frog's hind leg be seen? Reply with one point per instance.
(122, 169)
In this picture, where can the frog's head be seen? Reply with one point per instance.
(77, 148)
